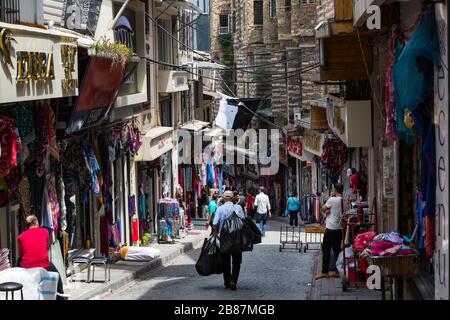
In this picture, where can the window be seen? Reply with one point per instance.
(307, 1)
(9, 11)
(273, 8)
(287, 5)
(224, 24)
(258, 12)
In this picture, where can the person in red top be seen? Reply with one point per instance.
(249, 199)
(33, 249)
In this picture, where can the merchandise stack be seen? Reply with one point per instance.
(168, 216)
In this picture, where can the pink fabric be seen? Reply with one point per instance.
(391, 126)
(379, 247)
(363, 240)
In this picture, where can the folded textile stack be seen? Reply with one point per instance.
(388, 244)
(4, 259)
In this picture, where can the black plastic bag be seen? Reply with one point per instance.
(210, 260)
(253, 228)
(236, 235)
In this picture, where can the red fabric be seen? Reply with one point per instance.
(362, 240)
(135, 230)
(429, 237)
(363, 264)
(249, 199)
(33, 248)
(354, 181)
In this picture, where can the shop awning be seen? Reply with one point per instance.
(82, 40)
(156, 142)
(194, 125)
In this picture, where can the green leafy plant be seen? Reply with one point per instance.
(118, 52)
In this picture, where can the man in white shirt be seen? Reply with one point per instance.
(332, 238)
(262, 205)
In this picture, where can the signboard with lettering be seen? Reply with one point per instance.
(441, 265)
(98, 93)
(36, 65)
(313, 142)
(81, 15)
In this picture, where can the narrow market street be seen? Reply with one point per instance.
(266, 274)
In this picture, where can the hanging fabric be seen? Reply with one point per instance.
(8, 146)
(24, 122)
(135, 230)
(40, 145)
(50, 206)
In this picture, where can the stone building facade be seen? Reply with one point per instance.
(281, 43)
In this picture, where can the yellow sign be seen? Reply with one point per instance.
(36, 66)
(68, 57)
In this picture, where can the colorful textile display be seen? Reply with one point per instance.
(41, 142)
(387, 244)
(50, 206)
(92, 165)
(24, 122)
(334, 156)
(168, 216)
(413, 72)
(8, 146)
(363, 240)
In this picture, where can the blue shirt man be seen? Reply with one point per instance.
(224, 212)
(231, 261)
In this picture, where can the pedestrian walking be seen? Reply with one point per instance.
(232, 261)
(334, 209)
(240, 200)
(249, 199)
(33, 250)
(293, 206)
(213, 205)
(262, 205)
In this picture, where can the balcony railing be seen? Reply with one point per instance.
(9, 11)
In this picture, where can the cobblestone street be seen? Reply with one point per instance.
(266, 274)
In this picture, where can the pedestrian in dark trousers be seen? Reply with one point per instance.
(262, 205)
(232, 262)
(332, 239)
(293, 206)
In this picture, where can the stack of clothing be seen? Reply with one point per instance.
(388, 244)
(4, 259)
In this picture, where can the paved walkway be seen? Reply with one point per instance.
(266, 274)
(123, 272)
(331, 288)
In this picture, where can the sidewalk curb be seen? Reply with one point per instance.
(152, 265)
(312, 292)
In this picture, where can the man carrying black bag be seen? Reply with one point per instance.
(231, 261)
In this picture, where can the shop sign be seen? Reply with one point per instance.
(313, 141)
(295, 147)
(81, 15)
(441, 265)
(38, 66)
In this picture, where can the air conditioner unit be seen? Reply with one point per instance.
(297, 116)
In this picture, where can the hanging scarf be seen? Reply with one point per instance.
(8, 146)
(40, 145)
(393, 53)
